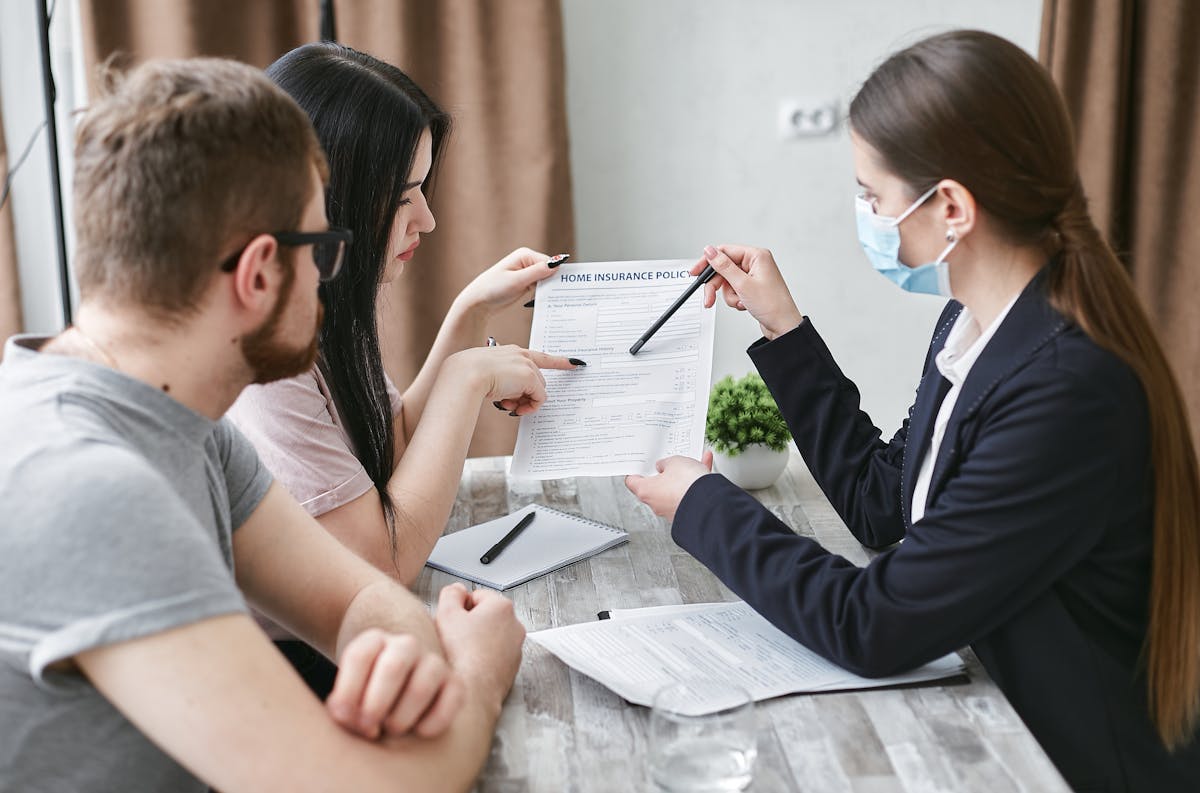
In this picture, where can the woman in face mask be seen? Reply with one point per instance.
(1044, 485)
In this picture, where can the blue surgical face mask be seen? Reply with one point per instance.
(880, 239)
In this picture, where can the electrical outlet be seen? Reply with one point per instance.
(807, 119)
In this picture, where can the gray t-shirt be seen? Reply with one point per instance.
(117, 508)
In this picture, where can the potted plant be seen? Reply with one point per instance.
(748, 436)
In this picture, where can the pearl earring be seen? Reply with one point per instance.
(951, 236)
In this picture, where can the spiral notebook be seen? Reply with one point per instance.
(554, 539)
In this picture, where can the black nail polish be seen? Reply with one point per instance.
(557, 260)
(498, 406)
(577, 362)
(513, 413)
(529, 304)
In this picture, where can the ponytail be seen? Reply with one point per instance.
(970, 106)
(1089, 286)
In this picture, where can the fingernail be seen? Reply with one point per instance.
(710, 252)
(498, 406)
(513, 413)
(577, 362)
(529, 304)
(557, 260)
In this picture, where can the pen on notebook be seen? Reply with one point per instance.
(495, 550)
(700, 281)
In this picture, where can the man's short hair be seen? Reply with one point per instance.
(177, 163)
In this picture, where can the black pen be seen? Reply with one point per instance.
(700, 281)
(495, 550)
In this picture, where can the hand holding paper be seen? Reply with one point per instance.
(505, 282)
(663, 493)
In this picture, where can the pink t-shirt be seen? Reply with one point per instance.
(295, 427)
(296, 430)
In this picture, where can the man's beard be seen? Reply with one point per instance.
(270, 358)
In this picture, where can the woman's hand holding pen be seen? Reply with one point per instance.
(507, 281)
(662, 493)
(749, 280)
(508, 375)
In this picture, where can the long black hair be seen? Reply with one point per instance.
(369, 118)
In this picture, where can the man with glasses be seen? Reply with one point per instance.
(329, 249)
(138, 523)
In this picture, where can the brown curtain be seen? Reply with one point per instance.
(1130, 72)
(253, 31)
(504, 182)
(10, 292)
(497, 67)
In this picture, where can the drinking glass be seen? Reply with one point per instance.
(702, 737)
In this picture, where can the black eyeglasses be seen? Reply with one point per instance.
(329, 249)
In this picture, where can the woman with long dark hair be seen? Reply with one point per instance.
(378, 469)
(1044, 485)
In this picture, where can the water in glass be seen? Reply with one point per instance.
(702, 737)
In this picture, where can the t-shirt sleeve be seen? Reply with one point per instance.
(123, 558)
(394, 397)
(247, 480)
(292, 427)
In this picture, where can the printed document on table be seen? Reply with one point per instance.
(638, 651)
(622, 412)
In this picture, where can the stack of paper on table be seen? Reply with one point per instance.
(554, 539)
(622, 412)
(638, 651)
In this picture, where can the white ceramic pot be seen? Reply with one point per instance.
(756, 467)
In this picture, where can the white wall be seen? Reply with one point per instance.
(672, 109)
(24, 110)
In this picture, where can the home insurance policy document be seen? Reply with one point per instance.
(623, 412)
(638, 651)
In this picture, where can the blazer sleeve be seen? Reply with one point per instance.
(858, 472)
(1028, 501)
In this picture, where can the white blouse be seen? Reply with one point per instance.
(963, 347)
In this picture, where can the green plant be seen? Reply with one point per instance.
(742, 412)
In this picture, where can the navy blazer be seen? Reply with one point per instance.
(1034, 548)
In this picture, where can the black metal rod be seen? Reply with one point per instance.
(49, 94)
(328, 22)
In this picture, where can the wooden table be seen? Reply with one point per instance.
(562, 731)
